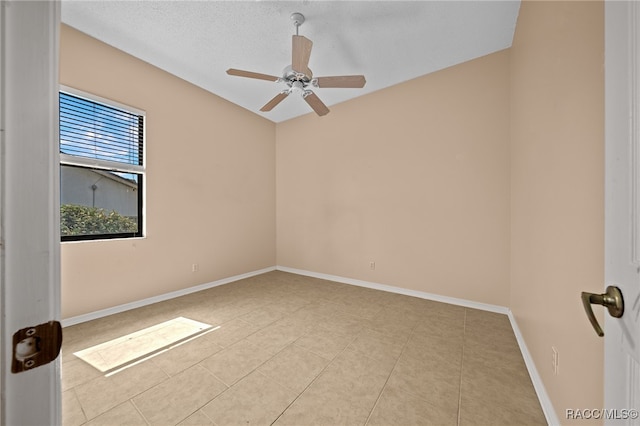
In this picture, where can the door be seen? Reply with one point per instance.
(622, 209)
(29, 207)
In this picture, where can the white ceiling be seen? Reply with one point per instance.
(387, 41)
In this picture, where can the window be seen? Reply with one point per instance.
(101, 168)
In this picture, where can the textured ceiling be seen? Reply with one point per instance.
(387, 41)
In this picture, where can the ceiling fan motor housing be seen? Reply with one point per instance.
(290, 75)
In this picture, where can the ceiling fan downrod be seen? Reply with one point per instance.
(298, 19)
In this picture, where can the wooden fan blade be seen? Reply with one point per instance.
(318, 106)
(249, 74)
(275, 101)
(356, 81)
(301, 53)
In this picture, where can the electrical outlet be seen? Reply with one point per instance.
(555, 361)
(195, 267)
(372, 265)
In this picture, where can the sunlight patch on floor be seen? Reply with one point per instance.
(140, 344)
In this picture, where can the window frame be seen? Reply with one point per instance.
(110, 166)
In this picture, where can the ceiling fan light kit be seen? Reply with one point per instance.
(299, 78)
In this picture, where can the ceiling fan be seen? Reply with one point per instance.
(299, 78)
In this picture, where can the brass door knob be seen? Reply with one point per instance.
(611, 299)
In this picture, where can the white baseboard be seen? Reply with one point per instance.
(543, 397)
(161, 298)
(399, 290)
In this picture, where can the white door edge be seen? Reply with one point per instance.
(29, 202)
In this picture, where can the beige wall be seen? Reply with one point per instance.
(557, 204)
(414, 177)
(210, 185)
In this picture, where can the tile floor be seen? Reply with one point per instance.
(294, 350)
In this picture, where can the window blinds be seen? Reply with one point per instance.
(93, 130)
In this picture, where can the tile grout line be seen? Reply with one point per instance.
(169, 377)
(390, 373)
(464, 333)
(315, 378)
(130, 399)
(139, 412)
(75, 394)
(255, 369)
(199, 409)
(203, 413)
(240, 379)
(264, 362)
(221, 381)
